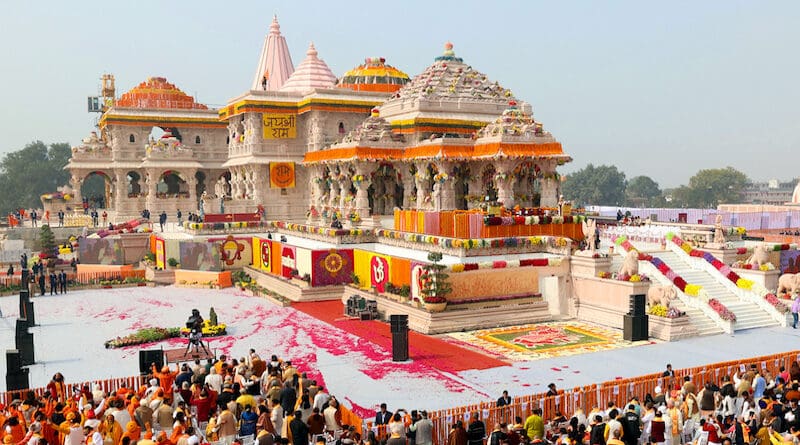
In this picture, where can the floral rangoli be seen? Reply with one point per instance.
(544, 340)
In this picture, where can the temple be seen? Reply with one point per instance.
(302, 143)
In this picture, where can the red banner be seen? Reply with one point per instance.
(331, 267)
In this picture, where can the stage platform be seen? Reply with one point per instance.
(180, 355)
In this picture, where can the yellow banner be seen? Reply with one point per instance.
(281, 175)
(279, 126)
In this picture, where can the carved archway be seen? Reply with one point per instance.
(96, 189)
(172, 184)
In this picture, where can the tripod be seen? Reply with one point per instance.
(196, 339)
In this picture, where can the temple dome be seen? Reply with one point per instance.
(374, 75)
(449, 78)
(156, 92)
(312, 73)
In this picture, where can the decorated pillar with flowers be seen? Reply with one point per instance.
(345, 198)
(549, 183)
(422, 181)
(408, 187)
(333, 197)
(318, 179)
(361, 181)
(445, 178)
(504, 182)
(476, 192)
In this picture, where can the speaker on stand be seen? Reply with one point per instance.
(398, 325)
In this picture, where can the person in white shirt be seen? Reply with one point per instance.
(321, 399)
(214, 380)
(277, 416)
(93, 437)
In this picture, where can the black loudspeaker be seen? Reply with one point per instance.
(399, 346)
(398, 323)
(24, 297)
(635, 328)
(25, 347)
(29, 314)
(636, 305)
(13, 360)
(22, 327)
(147, 358)
(16, 381)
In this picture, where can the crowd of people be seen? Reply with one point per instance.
(272, 402)
(221, 401)
(755, 407)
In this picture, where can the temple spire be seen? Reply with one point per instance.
(275, 63)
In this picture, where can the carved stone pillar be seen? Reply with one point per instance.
(76, 182)
(447, 187)
(317, 177)
(364, 172)
(192, 184)
(422, 181)
(549, 184)
(152, 182)
(120, 189)
(504, 182)
(408, 187)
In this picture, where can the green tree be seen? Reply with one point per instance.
(28, 173)
(601, 185)
(48, 240)
(711, 187)
(643, 191)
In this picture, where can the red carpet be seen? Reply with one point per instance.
(423, 349)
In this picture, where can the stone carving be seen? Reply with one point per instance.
(719, 232)
(789, 283)
(92, 144)
(630, 266)
(759, 257)
(662, 295)
(166, 144)
(590, 232)
(219, 187)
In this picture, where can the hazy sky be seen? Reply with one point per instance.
(656, 88)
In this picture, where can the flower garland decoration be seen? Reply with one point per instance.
(725, 270)
(499, 177)
(530, 262)
(357, 180)
(776, 303)
(441, 177)
(723, 312)
(531, 220)
(478, 243)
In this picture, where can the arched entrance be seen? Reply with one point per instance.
(171, 184)
(201, 183)
(382, 193)
(96, 190)
(133, 184)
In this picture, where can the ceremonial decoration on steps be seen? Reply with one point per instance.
(732, 276)
(688, 289)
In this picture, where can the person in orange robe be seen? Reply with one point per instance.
(133, 431)
(110, 428)
(166, 379)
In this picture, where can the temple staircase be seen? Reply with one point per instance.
(748, 314)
